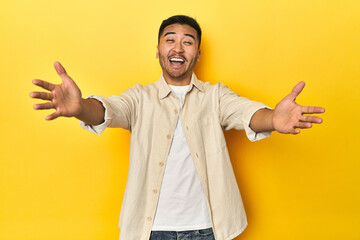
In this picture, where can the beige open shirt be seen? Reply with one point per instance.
(151, 113)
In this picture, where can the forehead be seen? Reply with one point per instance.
(180, 29)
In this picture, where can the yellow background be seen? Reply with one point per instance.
(58, 181)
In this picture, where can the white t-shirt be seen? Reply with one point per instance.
(182, 204)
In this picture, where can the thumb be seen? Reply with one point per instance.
(297, 89)
(61, 71)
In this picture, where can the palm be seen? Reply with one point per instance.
(288, 116)
(65, 98)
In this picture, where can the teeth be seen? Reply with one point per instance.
(176, 60)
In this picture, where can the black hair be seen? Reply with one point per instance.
(183, 20)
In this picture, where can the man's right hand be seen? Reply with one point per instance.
(66, 99)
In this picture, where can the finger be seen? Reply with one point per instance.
(41, 95)
(303, 125)
(46, 85)
(43, 106)
(63, 74)
(59, 68)
(297, 89)
(61, 71)
(295, 131)
(310, 119)
(52, 116)
(311, 109)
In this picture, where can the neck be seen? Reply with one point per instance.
(177, 81)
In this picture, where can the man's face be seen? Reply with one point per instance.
(178, 53)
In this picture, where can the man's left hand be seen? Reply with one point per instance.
(288, 116)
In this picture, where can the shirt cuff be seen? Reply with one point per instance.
(252, 135)
(98, 129)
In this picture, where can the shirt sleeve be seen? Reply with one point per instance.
(236, 113)
(120, 111)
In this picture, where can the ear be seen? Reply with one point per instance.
(198, 56)
(157, 51)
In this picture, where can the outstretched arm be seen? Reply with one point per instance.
(288, 116)
(66, 99)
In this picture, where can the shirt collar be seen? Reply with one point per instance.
(164, 88)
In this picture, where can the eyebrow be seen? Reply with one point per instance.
(186, 34)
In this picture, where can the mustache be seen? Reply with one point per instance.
(177, 55)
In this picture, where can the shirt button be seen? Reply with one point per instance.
(149, 218)
(168, 136)
(175, 111)
(155, 191)
(161, 164)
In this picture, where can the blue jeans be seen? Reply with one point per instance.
(203, 234)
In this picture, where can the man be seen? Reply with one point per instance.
(180, 184)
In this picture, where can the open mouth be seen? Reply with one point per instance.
(176, 61)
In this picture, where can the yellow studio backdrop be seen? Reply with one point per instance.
(58, 181)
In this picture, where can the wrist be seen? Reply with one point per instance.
(262, 120)
(81, 110)
(271, 121)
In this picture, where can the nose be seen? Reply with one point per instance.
(178, 47)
